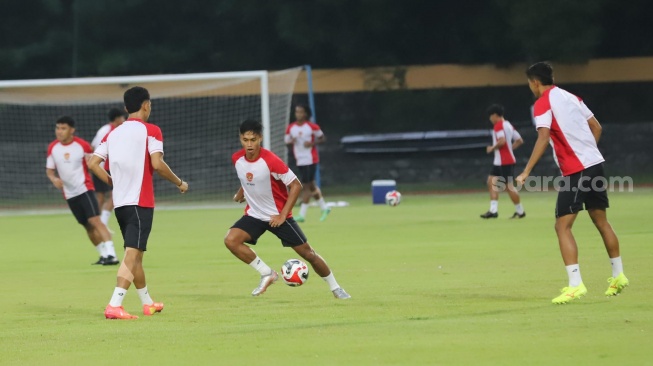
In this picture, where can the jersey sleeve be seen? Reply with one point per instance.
(101, 133)
(154, 139)
(103, 150)
(49, 161)
(542, 113)
(279, 170)
(85, 146)
(317, 131)
(515, 135)
(287, 138)
(585, 111)
(498, 131)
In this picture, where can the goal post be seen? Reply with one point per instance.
(199, 115)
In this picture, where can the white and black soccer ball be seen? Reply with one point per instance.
(294, 272)
(393, 198)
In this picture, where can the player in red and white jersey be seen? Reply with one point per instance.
(304, 135)
(271, 190)
(67, 157)
(134, 150)
(103, 190)
(574, 132)
(505, 139)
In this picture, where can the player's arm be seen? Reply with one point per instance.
(240, 195)
(517, 142)
(56, 181)
(95, 165)
(595, 127)
(543, 136)
(288, 139)
(164, 171)
(294, 189)
(500, 142)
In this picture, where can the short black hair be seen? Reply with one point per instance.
(495, 109)
(251, 125)
(115, 113)
(134, 98)
(307, 109)
(66, 120)
(542, 71)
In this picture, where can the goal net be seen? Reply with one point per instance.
(199, 115)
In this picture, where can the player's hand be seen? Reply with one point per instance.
(489, 149)
(58, 183)
(308, 144)
(183, 187)
(277, 220)
(521, 178)
(240, 199)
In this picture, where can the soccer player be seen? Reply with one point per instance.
(574, 132)
(505, 139)
(271, 190)
(134, 150)
(303, 135)
(103, 190)
(67, 156)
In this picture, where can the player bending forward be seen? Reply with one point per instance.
(271, 190)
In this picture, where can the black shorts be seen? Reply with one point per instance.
(289, 233)
(135, 225)
(84, 206)
(307, 173)
(100, 186)
(588, 187)
(506, 172)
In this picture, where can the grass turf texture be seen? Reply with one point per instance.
(432, 283)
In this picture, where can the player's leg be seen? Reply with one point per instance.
(91, 208)
(508, 174)
(305, 178)
(135, 224)
(107, 208)
(248, 230)
(597, 203)
(569, 203)
(291, 235)
(316, 193)
(82, 209)
(492, 180)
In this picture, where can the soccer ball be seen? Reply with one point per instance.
(294, 272)
(392, 198)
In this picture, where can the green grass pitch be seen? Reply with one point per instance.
(432, 284)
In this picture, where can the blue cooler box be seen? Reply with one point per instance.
(380, 188)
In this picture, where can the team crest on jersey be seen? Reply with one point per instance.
(249, 176)
(66, 156)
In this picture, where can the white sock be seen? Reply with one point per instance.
(303, 209)
(331, 280)
(145, 296)
(100, 249)
(494, 206)
(108, 246)
(104, 217)
(260, 266)
(617, 266)
(118, 296)
(322, 204)
(519, 208)
(573, 271)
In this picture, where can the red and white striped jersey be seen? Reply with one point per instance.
(70, 162)
(304, 132)
(101, 134)
(504, 154)
(128, 148)
(264, 183)
(566, 116)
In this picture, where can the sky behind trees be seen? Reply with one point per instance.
(64, 38)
